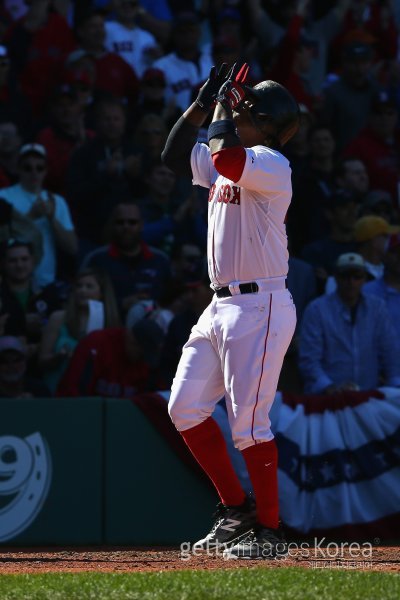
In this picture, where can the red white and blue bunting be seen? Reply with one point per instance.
(339, 463)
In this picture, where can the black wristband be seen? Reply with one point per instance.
(220, 127)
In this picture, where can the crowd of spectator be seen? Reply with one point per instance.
(103, 268)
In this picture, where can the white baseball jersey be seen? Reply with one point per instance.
(183, 75)
(246, 229)
(237, 347)
(133, 45)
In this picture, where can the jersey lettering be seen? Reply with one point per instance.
(235, 196)
(224, 193)
(125, 46)
(211, 192)
(229, 194)
(180, 86)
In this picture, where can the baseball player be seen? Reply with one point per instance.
(237, 347)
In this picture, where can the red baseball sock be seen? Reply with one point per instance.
(207, 444)
(262, 465)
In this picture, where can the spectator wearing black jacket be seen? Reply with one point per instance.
(102, 171)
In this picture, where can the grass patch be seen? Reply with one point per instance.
(238, 584)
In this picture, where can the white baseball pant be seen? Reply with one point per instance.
(235, 350)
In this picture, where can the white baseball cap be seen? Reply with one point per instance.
(33, 149)
(350, 260)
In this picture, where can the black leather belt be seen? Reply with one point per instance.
(245, 288)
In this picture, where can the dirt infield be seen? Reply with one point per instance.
(40, 560)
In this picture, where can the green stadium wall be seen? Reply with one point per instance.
(94, 471)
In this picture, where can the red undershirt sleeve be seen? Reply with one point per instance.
(230, 162)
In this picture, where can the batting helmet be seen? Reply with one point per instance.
(272, 103)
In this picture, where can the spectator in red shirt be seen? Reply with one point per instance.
(65, 133)
(293, 60)
(38, 44)
(113, 75)
(79, 71)
(378, 145)
(117, 363)
(368, 21)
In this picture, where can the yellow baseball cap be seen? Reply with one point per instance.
(370, 226)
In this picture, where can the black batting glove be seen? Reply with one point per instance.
(232, 93)
(207, 96)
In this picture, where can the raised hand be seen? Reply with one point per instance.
(232, 92)
(207, 96)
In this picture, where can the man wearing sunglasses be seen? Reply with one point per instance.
(137, 271)
(347, 339)
(48, 211)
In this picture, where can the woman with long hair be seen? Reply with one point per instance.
(91, 305)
